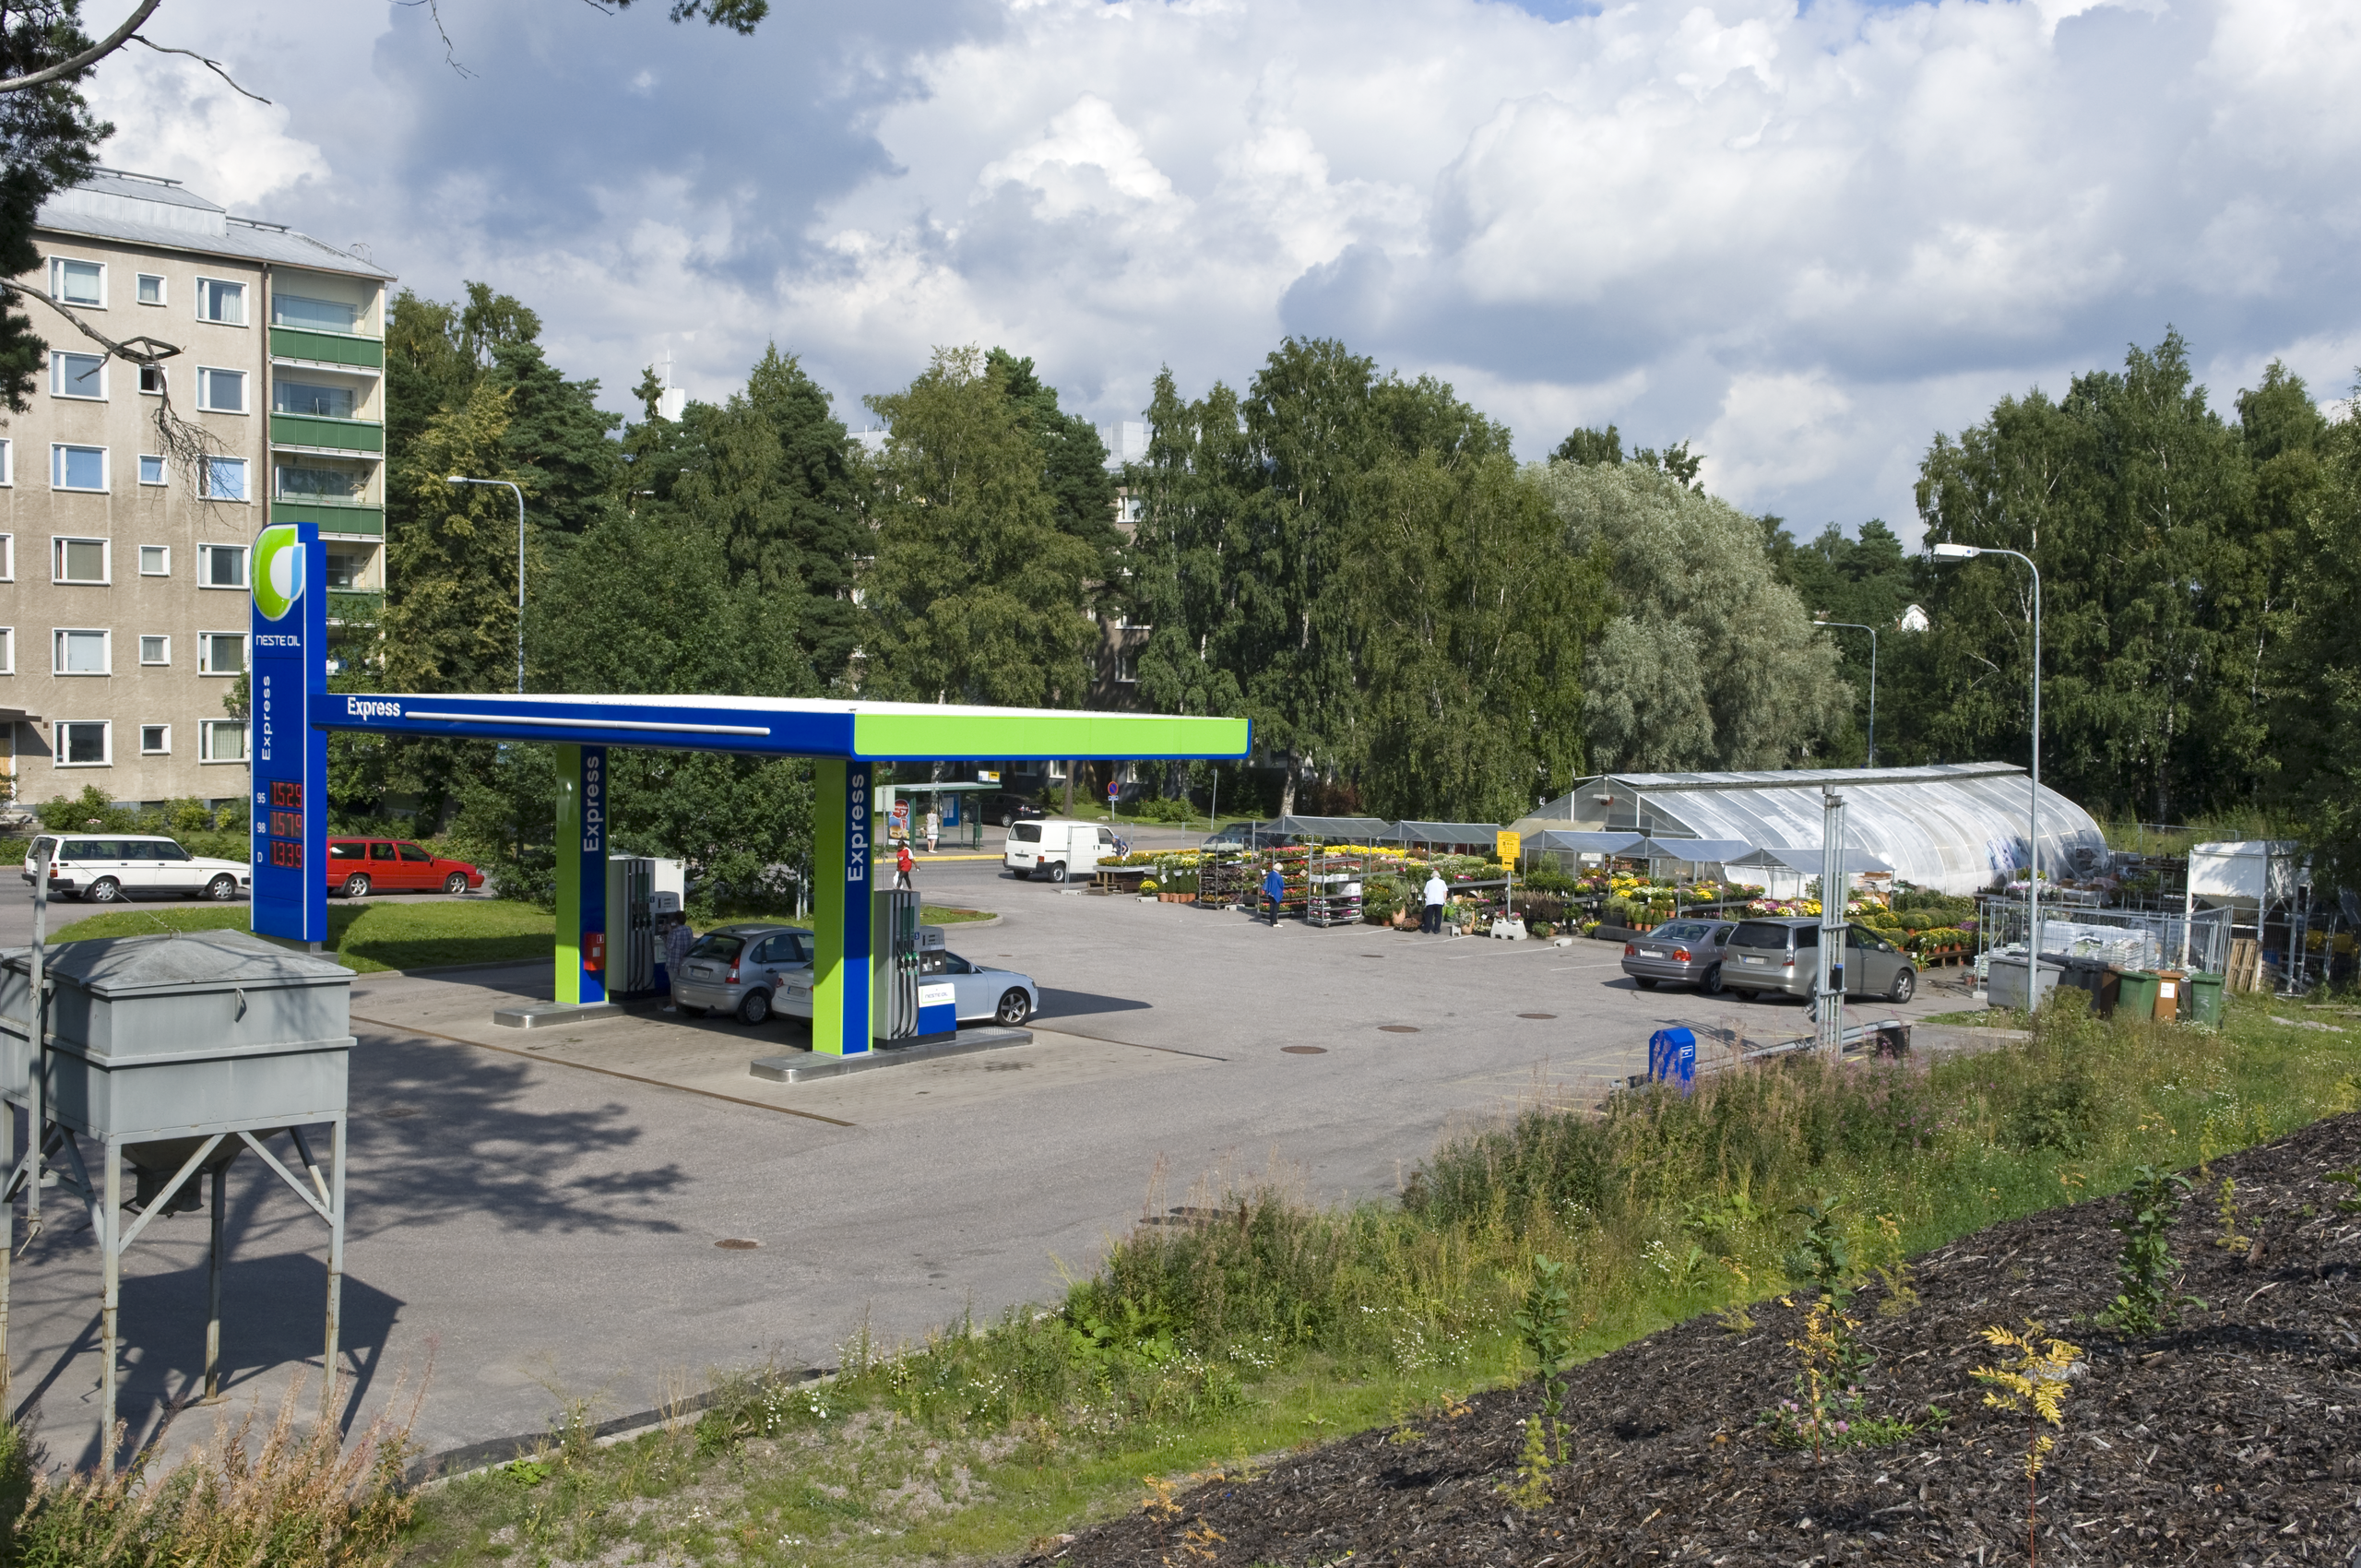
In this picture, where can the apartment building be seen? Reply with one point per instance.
(122, 570)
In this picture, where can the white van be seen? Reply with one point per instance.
(1059, 847)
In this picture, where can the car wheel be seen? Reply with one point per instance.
(1712, 984)
(106, 890)
(222, 889)
(1905, 985)
(1008, 819)
(1058, 872)
(456, 883)
(1015, 1008)
(754, 1007)
(356, 885)
(1645, 982)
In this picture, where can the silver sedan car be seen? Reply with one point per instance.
(1680, 952)
(979, 993)
(742, 968)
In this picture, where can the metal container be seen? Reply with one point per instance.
(2007, 987)
(182, 1033)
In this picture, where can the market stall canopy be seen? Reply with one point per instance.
(1444, 832)
(1781, 857)
(1576, 842)
(1354, 827)
(1696, 851)
(2251, 871)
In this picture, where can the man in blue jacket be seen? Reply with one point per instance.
(1275, 888)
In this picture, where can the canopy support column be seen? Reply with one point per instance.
(841, 888)
(581, 874)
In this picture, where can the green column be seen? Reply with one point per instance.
(841, 884)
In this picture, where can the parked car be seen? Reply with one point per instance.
(1007, 808)
(979, 991)
(1681, 951)
(135, 865)
(742, 969)
(357, 867)
(1058, 846)
(1783, 954)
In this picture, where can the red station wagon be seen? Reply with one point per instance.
(357, 867)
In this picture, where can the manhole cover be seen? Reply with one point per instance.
(737, 1244)
(1536, 1014)
(1397, 1028)
(1305, 1050)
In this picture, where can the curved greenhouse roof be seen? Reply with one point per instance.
(1953, 827)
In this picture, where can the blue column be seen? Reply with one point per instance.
(581, 873)
(841, 885)
(287, 664)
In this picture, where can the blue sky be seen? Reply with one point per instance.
(1802, 237)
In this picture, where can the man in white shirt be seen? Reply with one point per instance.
(1432, 922)
(678, 940)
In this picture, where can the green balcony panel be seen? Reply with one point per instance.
(327, 347)
(344, 435)
(352, 604)
(332, 516)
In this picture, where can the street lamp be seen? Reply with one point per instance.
(1947, 550)
(458, 479)
(1857, 626)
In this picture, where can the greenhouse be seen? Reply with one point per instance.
(1955, 827)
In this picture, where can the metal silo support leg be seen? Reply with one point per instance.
(213, 1294)
(336, 1267)
(110, 1218)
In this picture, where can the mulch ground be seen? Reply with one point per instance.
(2232, 1438)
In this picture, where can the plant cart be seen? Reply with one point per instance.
(1333, 888)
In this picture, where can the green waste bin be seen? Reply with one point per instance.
(2205, 1001)
(2136, 998)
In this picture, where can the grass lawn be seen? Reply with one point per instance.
(363, 936)
(940, 914)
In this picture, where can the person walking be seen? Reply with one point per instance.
(1432, 922)
(933, 828)
(678, 940)
(902, 864)
(1275, 888)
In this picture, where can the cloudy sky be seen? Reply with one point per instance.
(1804, 236)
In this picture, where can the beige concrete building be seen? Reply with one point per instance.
(122, 572)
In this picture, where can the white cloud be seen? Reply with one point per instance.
(1803, 236)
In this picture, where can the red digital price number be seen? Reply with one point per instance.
(287, 825)
(286, 794)
(287, 852)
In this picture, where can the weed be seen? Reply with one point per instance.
(2033, 1383)
(2144, 1300)
(1822, 1256)
(2351, 1181)
(2225, 1210)
(1893, 1271)
(1533, 1467)
(1736, 1319)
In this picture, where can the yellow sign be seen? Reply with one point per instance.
(1507, 846)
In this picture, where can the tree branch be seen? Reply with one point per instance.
(185, 445)
(210, 65)
(90, 56)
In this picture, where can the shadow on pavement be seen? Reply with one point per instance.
(1080, 1003)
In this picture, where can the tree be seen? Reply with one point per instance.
(977, 594)
(48, 141)
(557, 443)
(1073, 460)
(1588, 446)
(1712, 662)
(2316, 667)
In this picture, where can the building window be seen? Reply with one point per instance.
(7, 462)
(155, 740)
(223, 478)
(297, 481)
(151, 469)
(314, 316)
(80, 653)
(151, 288)
(221, 653)
(82, 743)
(1126, 670)
(221, 391)
(152, 380)
(154, 649)
(76, 375)
(78, 282)
(218, 301)
(79, 561)
(155, 560)
(8, 650)
(8, 558)
(221, 565)
(221, 739)
(78, 468)
(348, 568)
(311, 398)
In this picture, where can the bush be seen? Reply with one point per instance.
(89, 812)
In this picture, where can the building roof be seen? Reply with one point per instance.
(143, 210)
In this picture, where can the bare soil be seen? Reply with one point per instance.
(2234, 1437)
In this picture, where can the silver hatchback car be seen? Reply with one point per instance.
(1679, 952)
(1783, 954)
(740, 968)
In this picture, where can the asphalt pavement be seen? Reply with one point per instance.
(540, 1213)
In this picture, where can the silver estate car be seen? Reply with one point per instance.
(978, 993)
(1782, 954)
(1679, 952)
(740, 968)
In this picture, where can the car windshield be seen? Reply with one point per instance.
(1026, 833)
(1759, 934)
(1684, 931)
(411, 852)
(718, 946)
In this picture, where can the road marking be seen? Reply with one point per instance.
(610, 1072)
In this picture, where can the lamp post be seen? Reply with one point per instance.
(1857, 626)
(459, 478)
(1951, 552)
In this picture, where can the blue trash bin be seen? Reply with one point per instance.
(1672, 1057)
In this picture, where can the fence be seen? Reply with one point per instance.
(2136, 939)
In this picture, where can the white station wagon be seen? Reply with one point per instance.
(104, 867)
